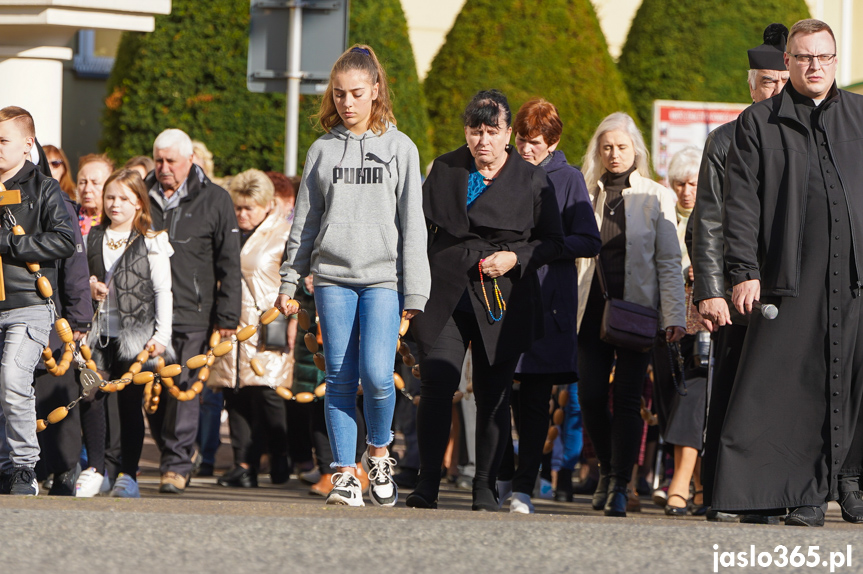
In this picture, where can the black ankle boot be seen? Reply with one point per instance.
(425, 494)
(563, 492)
(485, 499)
(850, 499)
(615, 504)
(600, 496)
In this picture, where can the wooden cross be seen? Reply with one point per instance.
(7, 197)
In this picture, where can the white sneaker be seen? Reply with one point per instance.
(89, 483)
(382, 488)
(125, 487)
(346, 490)
(521, 504)
(504, 491)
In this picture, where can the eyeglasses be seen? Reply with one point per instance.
(56, 162)
(806, 59)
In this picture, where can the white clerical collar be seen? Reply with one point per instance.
(818, 102)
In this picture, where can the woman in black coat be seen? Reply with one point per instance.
(493, 221)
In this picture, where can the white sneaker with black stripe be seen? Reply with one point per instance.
(346, 490)
(382, 488)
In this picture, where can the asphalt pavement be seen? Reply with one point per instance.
(284, 529)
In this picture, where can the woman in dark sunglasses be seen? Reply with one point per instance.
(60, 169)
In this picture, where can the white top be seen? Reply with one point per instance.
(159, 251)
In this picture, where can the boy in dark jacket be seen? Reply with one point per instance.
(26, 313)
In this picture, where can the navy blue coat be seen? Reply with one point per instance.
(72, 297)
(556, 351)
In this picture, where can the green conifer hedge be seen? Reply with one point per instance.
(554, 49)
(696, 49)
(190, 73)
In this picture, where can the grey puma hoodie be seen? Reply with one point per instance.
(359, 218)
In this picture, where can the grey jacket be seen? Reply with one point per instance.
(654, 277)
(359, 216)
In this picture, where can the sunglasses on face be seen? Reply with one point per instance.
(56, 162)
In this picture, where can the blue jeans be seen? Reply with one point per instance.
(23, 334)
(210, 420)
(360, 326)
(571, 435)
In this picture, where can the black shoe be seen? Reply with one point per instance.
(852, 506)
(615, 504)
(484, 499)
(203, 469)
(23, 482)
(280, 470)
(600, 496)
(418, 499)
(239, 477)
(809, 516)
(563, 492)
(64, 483)
(677, 510)
(406, 477)
(5, 481)
(717, 516)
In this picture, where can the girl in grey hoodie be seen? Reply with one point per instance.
(359, 230)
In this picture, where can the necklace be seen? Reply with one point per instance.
(616, 205)
(501, 304)
(115, 244)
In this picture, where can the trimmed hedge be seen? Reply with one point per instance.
(554, 49)
(696, 49)
(190, 73)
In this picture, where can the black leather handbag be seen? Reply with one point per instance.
(626, 324)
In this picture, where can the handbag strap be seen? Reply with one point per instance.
(251, 292)
(601, 276)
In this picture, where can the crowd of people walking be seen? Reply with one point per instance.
(608, 335)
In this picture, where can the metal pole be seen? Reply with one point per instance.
(292, 119)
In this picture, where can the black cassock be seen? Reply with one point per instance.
(792, 422)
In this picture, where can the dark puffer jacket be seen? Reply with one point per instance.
(49, 236)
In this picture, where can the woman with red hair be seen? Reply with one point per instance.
(552, 359)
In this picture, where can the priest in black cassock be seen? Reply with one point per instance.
(793, 224)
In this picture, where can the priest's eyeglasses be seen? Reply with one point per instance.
(806, 59)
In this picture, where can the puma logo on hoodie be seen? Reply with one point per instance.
(363, 175)
(358, 175)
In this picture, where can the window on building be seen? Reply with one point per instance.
(96, 52)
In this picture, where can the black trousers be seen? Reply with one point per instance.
(257, 422)
(299, 421)
(174, 426)
(616, 438)
(60, 443)
(530, 408)
(492, 386)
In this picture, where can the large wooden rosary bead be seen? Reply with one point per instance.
(269, 316)
(246, 333)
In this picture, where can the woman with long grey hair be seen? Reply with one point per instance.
(639, 263)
